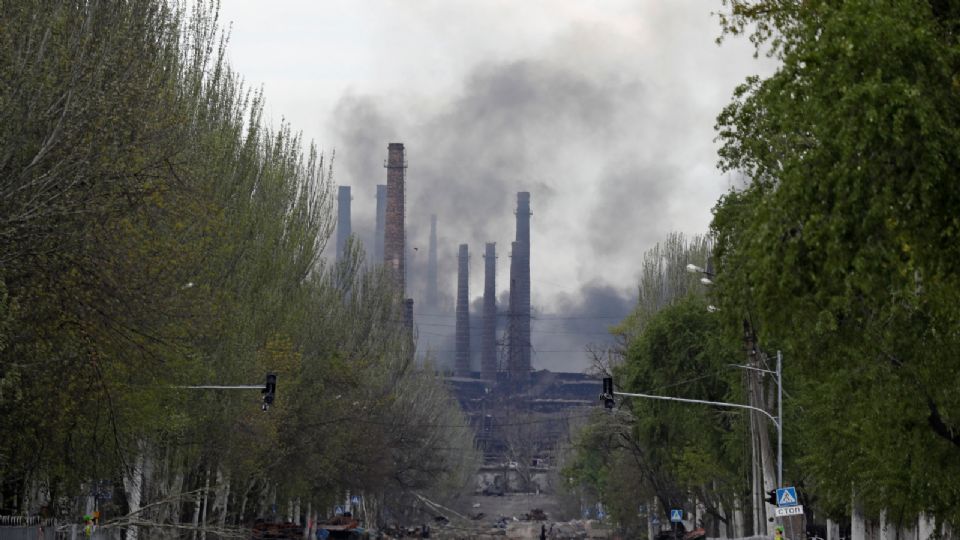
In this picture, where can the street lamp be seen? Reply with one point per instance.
(778, 421)
(707, 273)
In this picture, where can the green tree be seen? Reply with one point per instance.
(842, 246)
(673, 346)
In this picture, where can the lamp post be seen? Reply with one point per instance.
(778, 421)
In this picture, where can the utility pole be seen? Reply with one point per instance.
(758, 403)
(771, 480)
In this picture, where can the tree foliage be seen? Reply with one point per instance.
(157, 233)
(842, 247)
(674, 452)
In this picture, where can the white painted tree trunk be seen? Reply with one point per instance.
(925, 527)
(196, 513)
(222, 500)
(858, 525)
(206, 504)
(721, 526)
(888, 531)
(147, 482)
(133, 485)
(833, 530)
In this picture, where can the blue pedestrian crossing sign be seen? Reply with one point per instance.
(676, 515)
(786, 496)
(355, 500)
(338, 511)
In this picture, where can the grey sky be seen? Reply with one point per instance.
(603, 110)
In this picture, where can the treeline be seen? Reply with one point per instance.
(839, 250)
(156, 233)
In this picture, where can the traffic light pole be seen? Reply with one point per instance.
(224, 387)
(777, 421)
(269, 390)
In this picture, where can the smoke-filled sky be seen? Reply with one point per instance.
(602, 110)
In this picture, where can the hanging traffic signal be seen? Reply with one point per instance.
(607, 395)
(269, 391)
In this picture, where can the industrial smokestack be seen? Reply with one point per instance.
(462, 360)
(393, 242)
(343, 219)
(381, 218)
(513, 347)
(488, 340)
(431, 297)
(520, 292)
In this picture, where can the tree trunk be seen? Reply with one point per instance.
(833, 530)
(222, 501)
(651, 532)
(888, 531)
(858, 525)
(175, 493)
(196, 514)
(148, 481)
(308, 529)
(206, 504)
(738, 524)
(925, 527)
(133, 485)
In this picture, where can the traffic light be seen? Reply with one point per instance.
(772, 497)
(269, 391)
(607, 396)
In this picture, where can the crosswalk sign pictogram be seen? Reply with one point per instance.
(676, 516)
(787, 496)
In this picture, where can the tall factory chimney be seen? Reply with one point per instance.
(488, 341)
(431, 297)
(343, 219)
(381, 217)
(520, 292)
(513, 343)
(462, 361)
(393, 238)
